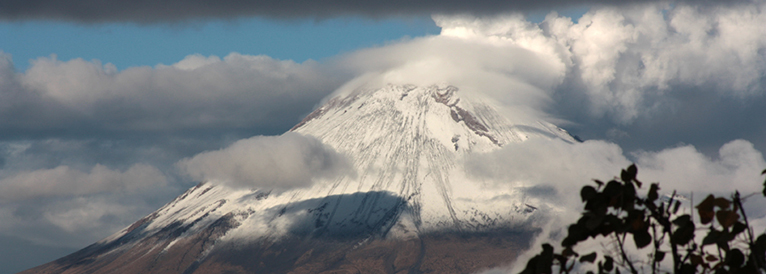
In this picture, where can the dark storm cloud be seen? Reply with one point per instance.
(148, 11)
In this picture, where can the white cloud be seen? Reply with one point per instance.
(519, 71)
(195, 61)
(628, 58)
(273, 162)
(198, 92)
(566, 168)
(737, 167)
(625, 62)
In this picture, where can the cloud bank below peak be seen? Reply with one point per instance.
(280, 163)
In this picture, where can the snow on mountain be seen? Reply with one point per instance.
(406, 145)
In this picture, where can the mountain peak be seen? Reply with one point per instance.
(406, 144)
(436, 111)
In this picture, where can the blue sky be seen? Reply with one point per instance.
(131, 44)
(127, 45)
(646, 78)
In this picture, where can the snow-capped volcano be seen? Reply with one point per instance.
(409, 141)
(405, 146)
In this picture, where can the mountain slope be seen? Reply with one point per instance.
(408, 206)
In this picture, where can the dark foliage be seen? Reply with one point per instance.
(615, 210)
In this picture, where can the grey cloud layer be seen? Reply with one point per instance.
(90, 11)
(65, 181)
(50, 197)
(86, 149)
(197, 93)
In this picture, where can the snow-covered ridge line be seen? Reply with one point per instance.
(406, 144)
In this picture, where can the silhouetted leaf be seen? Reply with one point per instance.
(599, 183)
(711, 237)
(683, 219)
(628, 196)
(722, 243)
(638, 183)
(764, 183)
(609, 264)
(576, 232)
(696, 259)
(541, 263)
(613, 188)
(653, 195)
(636, 220)
(705, 209)
(735, 258)
(628, 175)
(722, 203)
(605, 215)
(749, 268)
(609, 224)
(587, 193)
(531, 267)
(684, 231)
(759, 250)
(726, 218)
(642, 238)
(568, 252)
(588, 258)
(738, 228)
(688, 269)
(593, 220)
(563, 263)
